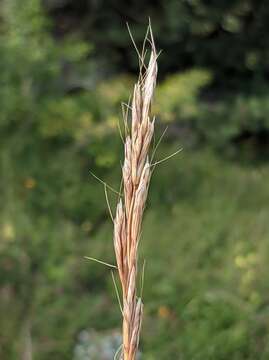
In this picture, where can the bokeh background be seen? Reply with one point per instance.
(65, 68)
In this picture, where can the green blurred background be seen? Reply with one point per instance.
(65, 68)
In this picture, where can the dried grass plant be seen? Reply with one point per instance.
(136, 174)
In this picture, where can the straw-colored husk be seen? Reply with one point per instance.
(136, 174)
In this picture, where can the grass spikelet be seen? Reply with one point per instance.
(136, 174)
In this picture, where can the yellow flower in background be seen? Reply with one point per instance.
(29, 183)
(8, 231)
(240, 261)
(164, 312)
(246, 261)
(247, 265)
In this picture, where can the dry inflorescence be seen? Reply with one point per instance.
(136, 174)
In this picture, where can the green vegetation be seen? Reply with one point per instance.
(206, 230)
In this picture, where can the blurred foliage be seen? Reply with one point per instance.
(211, 303)
(225, 39)
(177, 96)
(227, 36)
(48, 143)
(241, 119)
(206, 230)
